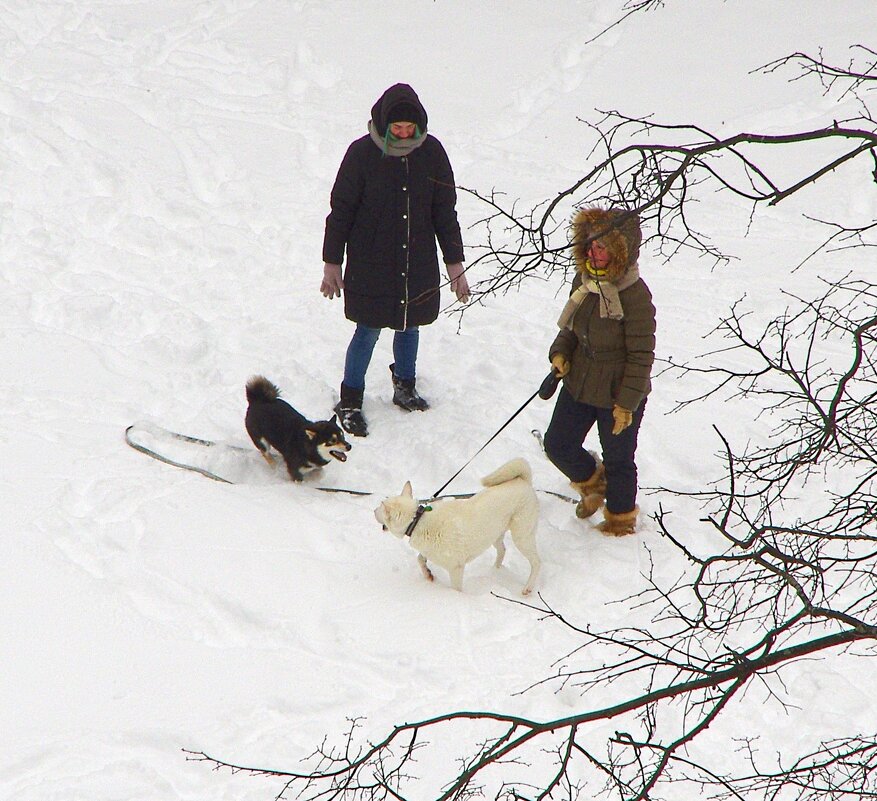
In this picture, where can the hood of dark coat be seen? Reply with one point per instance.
(396, 94)
(618, 229)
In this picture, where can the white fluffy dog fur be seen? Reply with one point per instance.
(452, 532)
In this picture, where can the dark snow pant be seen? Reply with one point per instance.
(564, 446)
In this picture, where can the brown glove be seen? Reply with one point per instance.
(559, 365)
(623, 418)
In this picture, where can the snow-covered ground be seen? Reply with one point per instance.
(164, 176)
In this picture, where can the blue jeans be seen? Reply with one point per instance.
(564, 446)
(362, 345)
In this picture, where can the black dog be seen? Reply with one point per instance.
(273, 423)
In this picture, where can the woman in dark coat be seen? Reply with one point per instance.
(394, 196)
(604, 353)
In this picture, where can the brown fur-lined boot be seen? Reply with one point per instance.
(619, 525)
(593, 492)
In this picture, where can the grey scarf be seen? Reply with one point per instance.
(610, 302)
(395, 147)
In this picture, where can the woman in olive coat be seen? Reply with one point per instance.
(604, 353)
(394, 196)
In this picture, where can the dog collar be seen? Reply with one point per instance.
(416, 519)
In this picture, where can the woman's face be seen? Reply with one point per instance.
(598, 254)
(403, 130)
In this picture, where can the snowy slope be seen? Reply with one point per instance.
(164, 175)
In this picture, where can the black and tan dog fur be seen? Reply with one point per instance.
(273, 424)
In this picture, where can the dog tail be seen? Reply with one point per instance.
(516, 468)
(261, 390)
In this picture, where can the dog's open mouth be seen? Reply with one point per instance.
(339, 455)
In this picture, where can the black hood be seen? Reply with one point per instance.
(397, 94)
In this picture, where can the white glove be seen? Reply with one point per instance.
(332, 283)
(457, 274)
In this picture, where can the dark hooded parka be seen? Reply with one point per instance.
(391, 200)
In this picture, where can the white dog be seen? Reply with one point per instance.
(454, 531)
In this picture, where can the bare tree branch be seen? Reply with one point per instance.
(788, 569)
(659, 171)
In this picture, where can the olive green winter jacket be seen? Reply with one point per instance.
(610, 360)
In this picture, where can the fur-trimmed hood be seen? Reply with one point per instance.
(618, 229)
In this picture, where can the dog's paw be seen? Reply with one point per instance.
(424, 568)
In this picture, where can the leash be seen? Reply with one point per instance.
(203, 471)
(340, 490)
(545, 391)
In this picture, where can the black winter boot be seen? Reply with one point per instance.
(349, 411)
(405, 394)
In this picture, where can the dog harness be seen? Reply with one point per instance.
(421, 508)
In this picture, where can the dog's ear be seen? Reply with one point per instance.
(310, 433)
(406, 490)
(333, 418)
